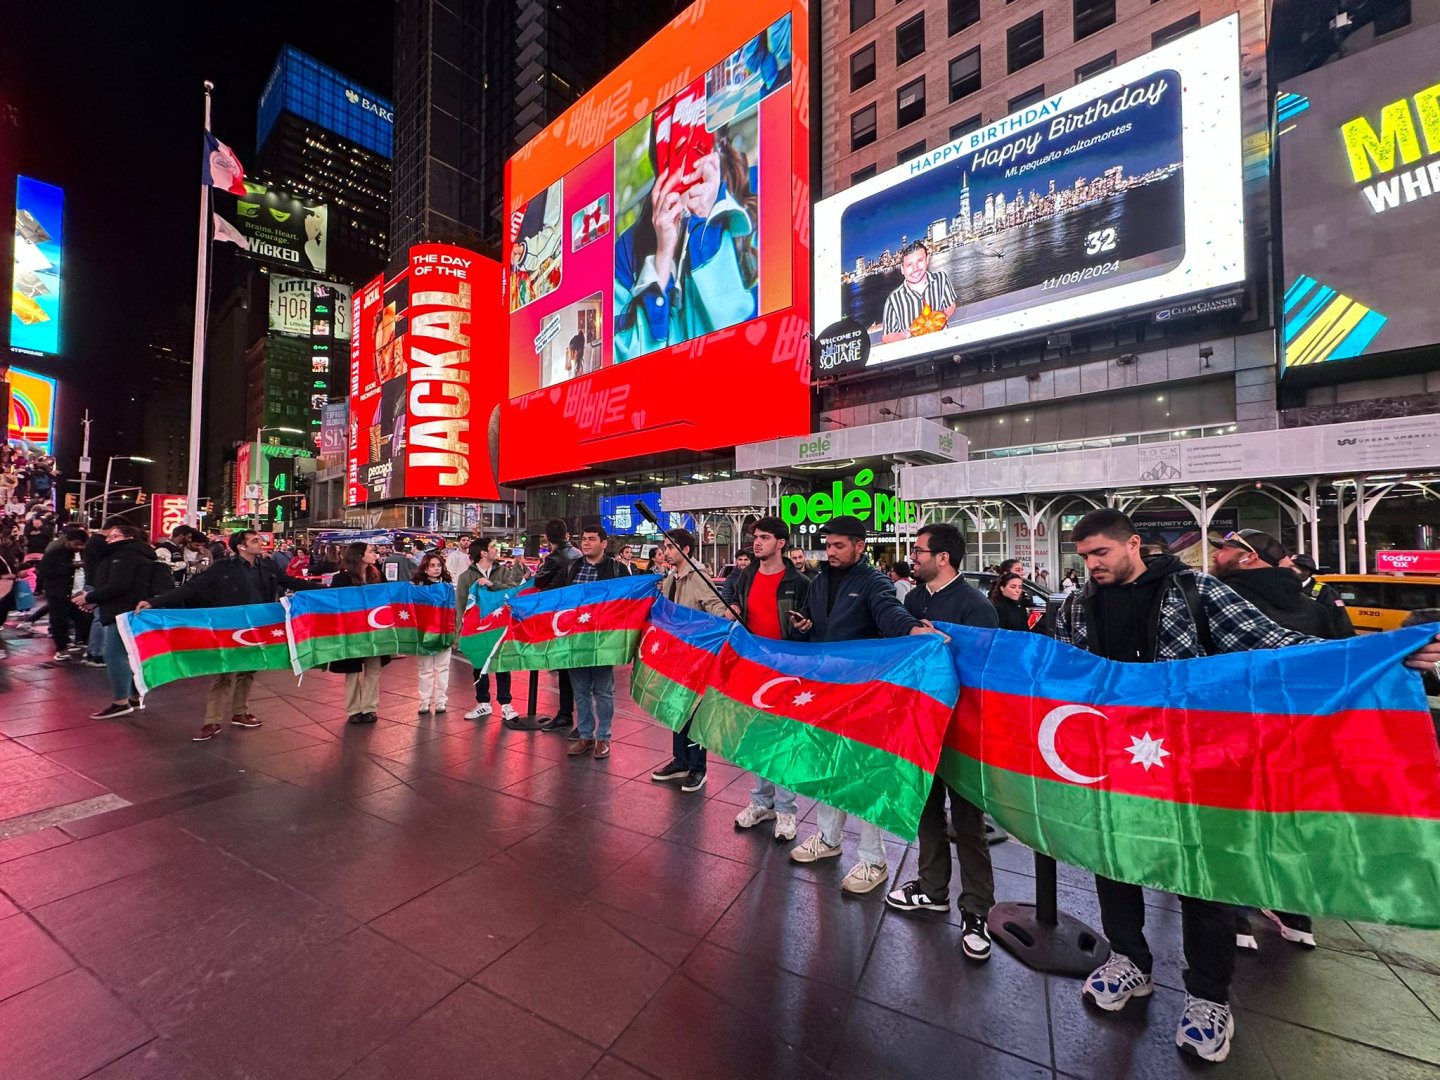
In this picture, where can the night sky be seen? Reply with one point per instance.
(110, 104)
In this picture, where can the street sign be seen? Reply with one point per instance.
(252, 492)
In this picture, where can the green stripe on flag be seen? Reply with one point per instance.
(662, 697)
(1318, 863)
(168, 667)
(603, 648)
(478, 648)
(885, 790)
(397, 642)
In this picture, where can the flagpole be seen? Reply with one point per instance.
(197, 348)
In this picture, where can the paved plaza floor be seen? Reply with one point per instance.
(436, 897)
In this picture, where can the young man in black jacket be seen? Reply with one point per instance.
(126, 573)
(247, 578)
(943, 596)
(55, 580)
(850, 600)
(593, 687)
(553, 573)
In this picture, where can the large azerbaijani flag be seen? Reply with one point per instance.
(486, 620)
(166, 644)
(388, 619)
(1303, 779)
(597, 624)
(676, 661)
(856, 724)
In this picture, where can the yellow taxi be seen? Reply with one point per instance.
(1381, 601)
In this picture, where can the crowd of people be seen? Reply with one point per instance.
(1134, 608)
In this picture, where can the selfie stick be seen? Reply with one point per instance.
(649, 515)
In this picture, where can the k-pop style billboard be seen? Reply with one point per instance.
(658, 241)
(1121, 192)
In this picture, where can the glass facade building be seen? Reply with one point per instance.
(302, 85)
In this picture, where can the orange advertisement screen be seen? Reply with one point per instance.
(656, 274)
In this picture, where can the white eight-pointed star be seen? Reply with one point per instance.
(802, 698)
(1146, 751)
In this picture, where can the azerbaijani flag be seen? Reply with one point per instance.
(165, 644)
(388, 619)
(486, 619)
(593, 625)
(1303, 779)
(676, 661)
(856, 724)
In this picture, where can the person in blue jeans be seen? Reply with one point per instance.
(593, 687)
(126, 573)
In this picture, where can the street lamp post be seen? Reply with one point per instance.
(109, 465)
(255, 469)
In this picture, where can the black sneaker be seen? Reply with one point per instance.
(137, 703)
(91, 661)
(109, 712)
(913, 896)
(557, 723)
(672, 771)
(974, 936)
(694, 781)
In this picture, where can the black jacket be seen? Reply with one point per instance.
(1278, 593)
(551, 572)
(959, 602)
(790, 596)
(95, 549)
(224, 585)
(125, 576)
(55, 575)
(610, 567)
(854, 604)
(1011, 613)
(1333, 605)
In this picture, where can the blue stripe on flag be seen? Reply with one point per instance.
(917, 663)
(699, 629)
(223, 618)
(635, 587)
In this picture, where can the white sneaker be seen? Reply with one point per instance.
(784, 826)
(813, 849)
(424, 708)
(753, 815)
(863, 877)
(1205, 1029)
(483, 709)
(1115, 982)
(1247, 942)
(507, 712)
(1304, 938)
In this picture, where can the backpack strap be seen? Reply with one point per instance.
(1190, 590)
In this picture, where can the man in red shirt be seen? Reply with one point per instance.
(762, 596)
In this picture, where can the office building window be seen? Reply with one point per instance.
(910, 102)
(1094, 67)
(914, 150)
(965, 74)
(1167, 34)
(1025, 43)
(862, 67)
(1093, 15)
(963, 13)
(964, 127)
(863, 174)
(862, 127)
(910, 39)
(1029, 97)
(861, 12)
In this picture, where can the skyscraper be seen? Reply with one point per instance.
(474, 81)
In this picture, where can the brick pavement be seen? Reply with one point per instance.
(433, 897)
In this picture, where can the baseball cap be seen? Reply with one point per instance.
(1304, 562)
(844, 525)
(1257, 543)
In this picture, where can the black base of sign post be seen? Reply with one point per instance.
(1042, 937)
(993, 833)
(531, 720)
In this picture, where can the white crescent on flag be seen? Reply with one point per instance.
(758, 700)
(375, 614)
(555, 626)
(239, 636)
(1049, 727)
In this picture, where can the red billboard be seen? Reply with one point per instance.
(424, 417)
(1407, 562)
(657, 263)
(166, 512)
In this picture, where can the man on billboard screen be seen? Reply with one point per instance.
(924, 301)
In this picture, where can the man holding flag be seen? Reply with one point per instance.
(593, 687)
(249, 577)
(486, 570)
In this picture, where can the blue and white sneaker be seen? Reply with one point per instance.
(1205, 1029)
(1115, 982)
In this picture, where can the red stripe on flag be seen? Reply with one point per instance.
(676, 659)
(319, 624)
(1373, 761)
(633, 614)
(895, 719)
(186, 638)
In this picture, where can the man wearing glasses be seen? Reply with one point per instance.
(941, 595)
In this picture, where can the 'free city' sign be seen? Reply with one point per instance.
(877, 509)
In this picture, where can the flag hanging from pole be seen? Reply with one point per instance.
(221, 168)
(165, 644)
(597, 624)
(227, 233)
(676, 661)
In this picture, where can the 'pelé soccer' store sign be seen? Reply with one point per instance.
(880, 510)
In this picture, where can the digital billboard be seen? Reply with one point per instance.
(318, 93)
(35, 297)
(32, 409)
(279, 228)
(658, 248)
(1121, 192)
(424, 414)
(618, 515)
(1359, 159)
(290, 307)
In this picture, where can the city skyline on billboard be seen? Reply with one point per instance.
(1359, 157)
(658, 234)
(31, 417)
(281, 229)
(36, 305)
(1120, 192)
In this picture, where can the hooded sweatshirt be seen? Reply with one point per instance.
(1279, 593)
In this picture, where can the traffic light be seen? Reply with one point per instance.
(140, 498)
(72, 502)
(304, 502)
(209, 507)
